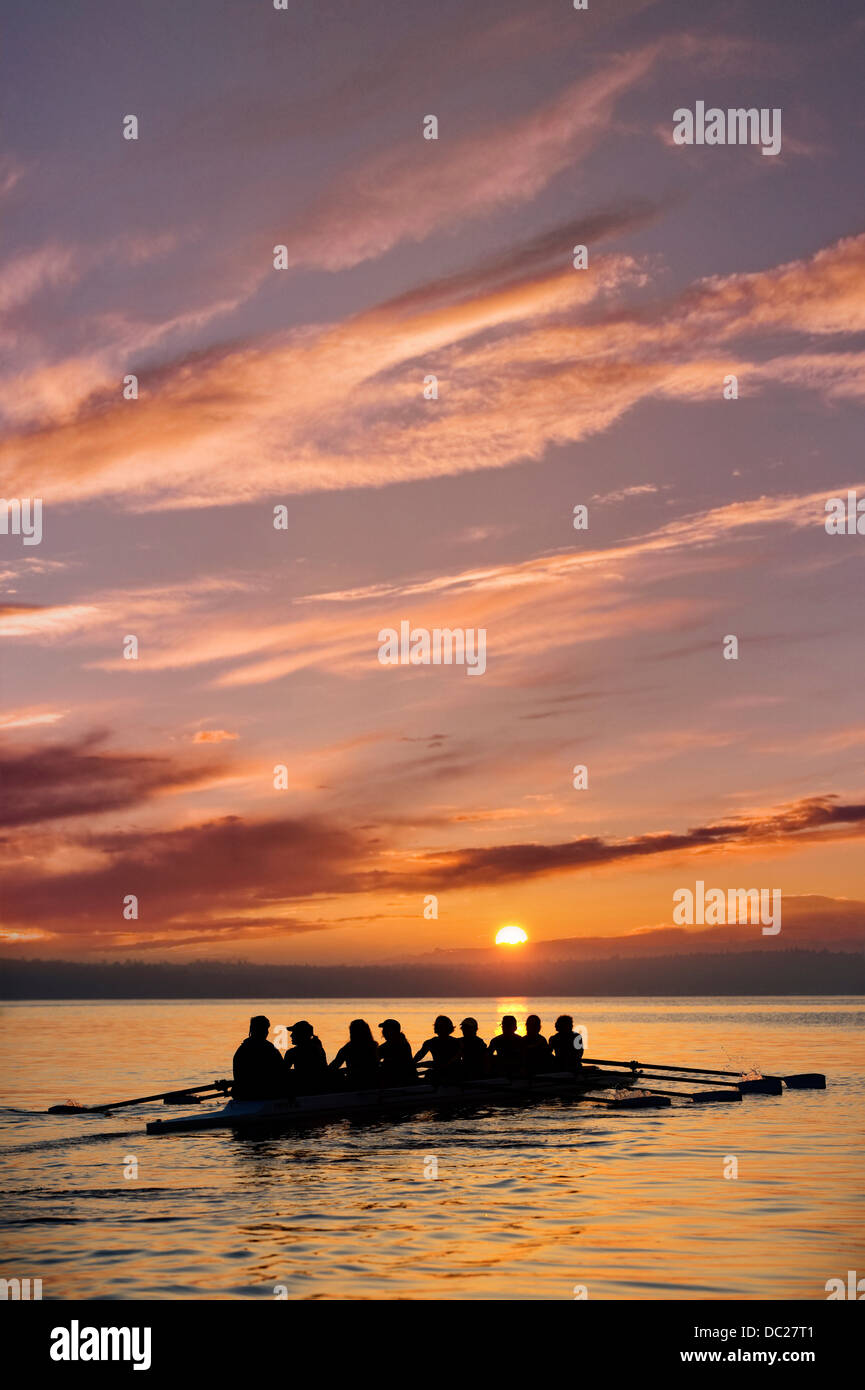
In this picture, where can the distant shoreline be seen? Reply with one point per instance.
(743, 974)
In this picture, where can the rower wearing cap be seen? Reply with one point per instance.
(258, 1069)
(444, 1050)
(396, 1067)
(474, 1053)
(305, 1062)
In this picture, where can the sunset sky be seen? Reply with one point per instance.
(304, 387)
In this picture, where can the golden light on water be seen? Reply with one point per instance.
(511, 936)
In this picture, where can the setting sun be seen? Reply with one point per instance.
(511, 936)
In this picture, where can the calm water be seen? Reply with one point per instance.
(528, 1202)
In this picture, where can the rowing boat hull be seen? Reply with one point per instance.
(247, 1114)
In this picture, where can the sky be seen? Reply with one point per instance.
(303, 388)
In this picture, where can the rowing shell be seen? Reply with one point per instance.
(246, 1114)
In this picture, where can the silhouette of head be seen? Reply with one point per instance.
(564, 1024)
(469, 1027)
(443, 1026)
(360, 1032)
(301, 1031)
(533, 1026)
(391, 1029)
(259, 1027)
(509, 1024)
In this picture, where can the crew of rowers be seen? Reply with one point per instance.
(262, 1072)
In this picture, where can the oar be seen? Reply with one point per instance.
(701, 1097)
(761, 1086)
(799, 1081)
(730, 1086)
(170, 1097)
(767, 1086)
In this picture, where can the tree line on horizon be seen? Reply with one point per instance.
(805, 972)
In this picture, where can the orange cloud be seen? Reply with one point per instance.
(520, 367)
(26, 718)
(259, 873)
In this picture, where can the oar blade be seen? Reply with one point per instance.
(762, 1086)
(711, 1097)
(806, 1081)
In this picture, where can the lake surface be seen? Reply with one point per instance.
(528, 1203)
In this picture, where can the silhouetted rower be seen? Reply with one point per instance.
(474, 1053)
(507, 1049)
(566, 1045)
(444, 1050)
(305, 1062)
(359, 1056)
(396, 1067)
(258, 1068)
(536, 1052)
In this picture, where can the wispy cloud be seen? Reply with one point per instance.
(409, 192)
(27, 718)
(536, 362)
(805, 820)
(623, 493)
(523, 604)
